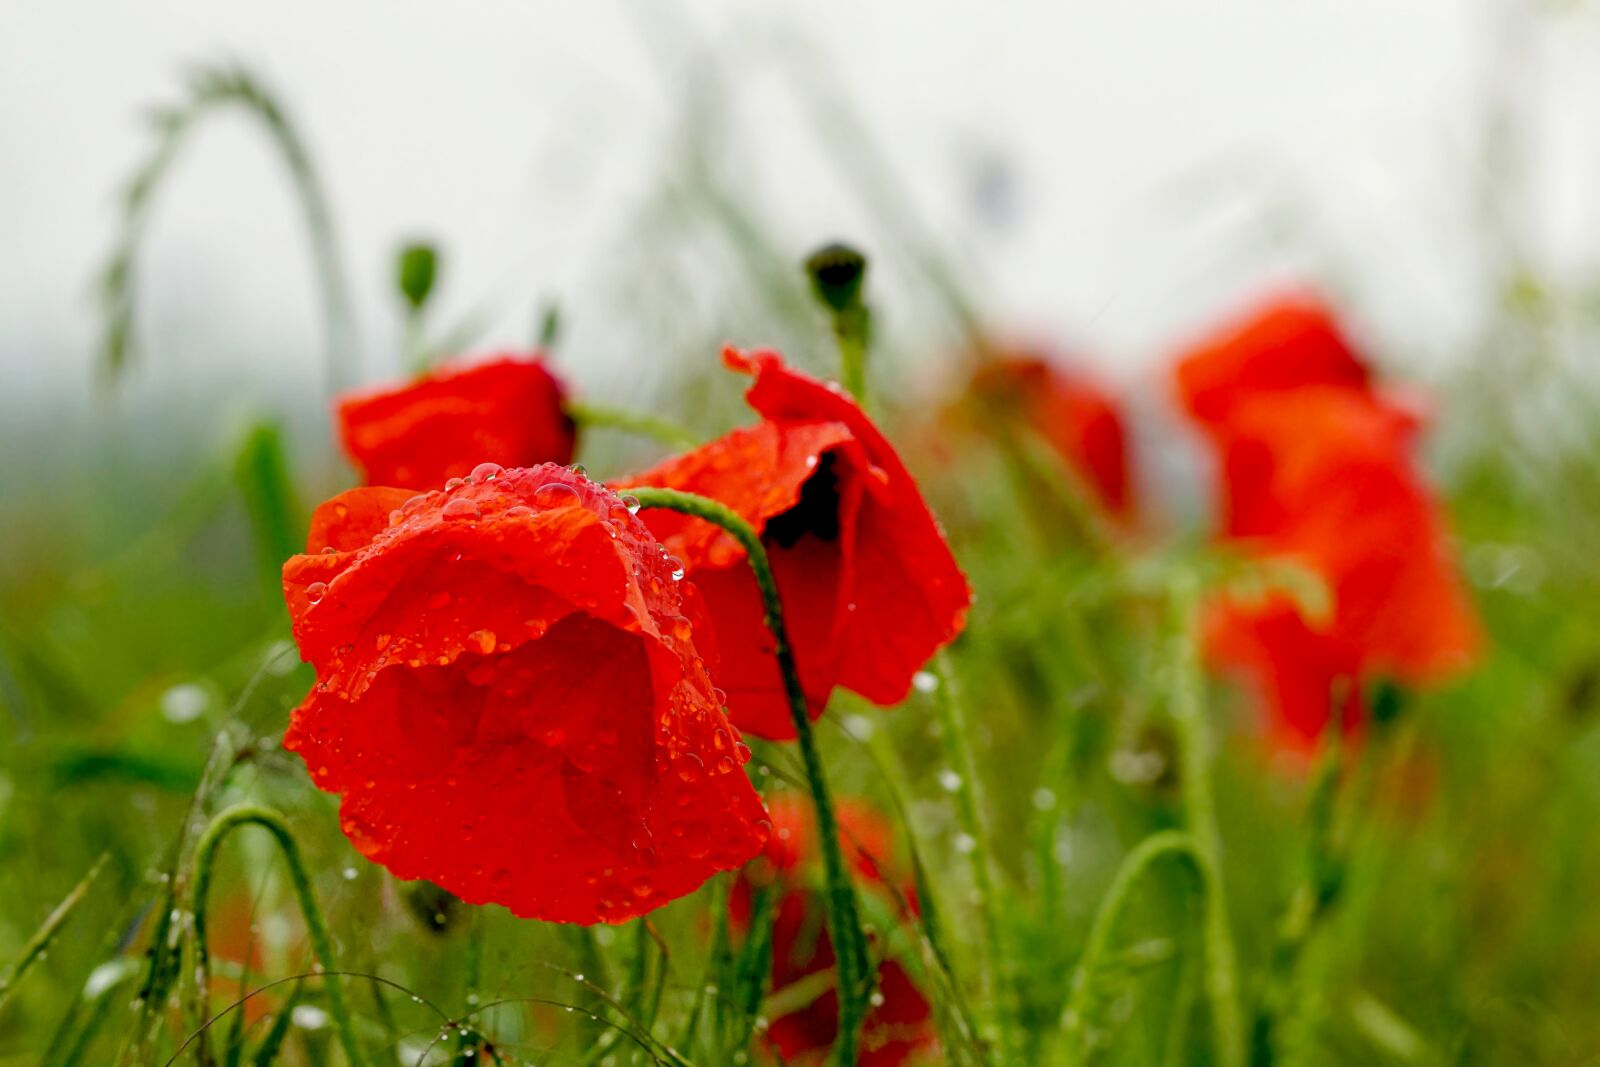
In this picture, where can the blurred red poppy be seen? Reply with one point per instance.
(1080, 421)
(869, 587)
(899, 1026)
(509, 698)
(1286, 344)
(418, 435)
(1316, 468)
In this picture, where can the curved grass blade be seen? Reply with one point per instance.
(36, 945)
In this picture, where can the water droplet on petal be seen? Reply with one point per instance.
(554, 495)
(485, 472)
(521, 511)
(690, 768)
(316, 591)
(461, 509)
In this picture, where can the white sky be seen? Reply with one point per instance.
(1146, 146)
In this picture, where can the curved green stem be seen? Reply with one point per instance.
(844, 918)
(211, 89)
(958, 750)
(1187, 708)
(1168, 844)
(316, 928)
(636, 422)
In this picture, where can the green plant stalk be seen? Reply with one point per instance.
(212, 89)
(316, 928)
(956, 1027)
(1220, 978)
(953, 728)
(635, 422)
(715, 968)
(844, 917)
(850, 331)
(1166, 844)
(1308, 905)
(36, 945)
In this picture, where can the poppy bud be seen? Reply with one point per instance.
(836, 272)
(416, 268)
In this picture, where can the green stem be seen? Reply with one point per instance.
(849, 332)
(316, 928)
(1076, 1018)
(34, 949)
(213, 89)
(1187, 708)
(844, 918)
(958, 750)
(636, 422)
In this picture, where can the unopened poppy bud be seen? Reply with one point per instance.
(1388, 702)
(416, 269)
(436, 909)
(836, 272)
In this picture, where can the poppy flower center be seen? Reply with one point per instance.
(816, 513)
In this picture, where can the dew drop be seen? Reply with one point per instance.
(485, 472)
(461, 509)
(454, 483)
(316, 591)
(949, 780)
(521, 511)
(554, 495)
(690, 768)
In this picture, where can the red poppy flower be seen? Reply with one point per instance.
(1078, 419)
(1287, 344)
(1321, 473)
(899, 1027)
(506, 410)
(870, 589)
(509, 699)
